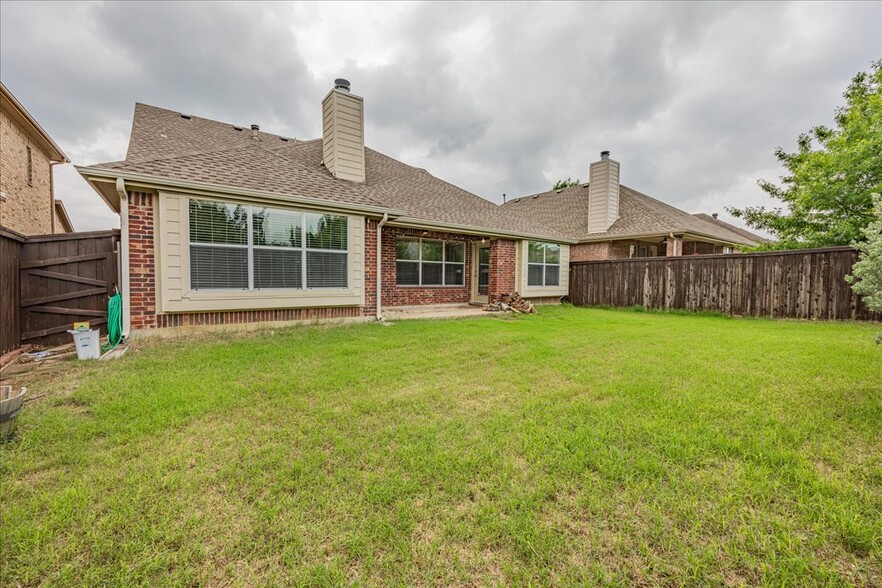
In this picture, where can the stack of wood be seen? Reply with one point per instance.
(511, 302)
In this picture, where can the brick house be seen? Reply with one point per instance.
(224, 224)
(611, 221)
(27, 154)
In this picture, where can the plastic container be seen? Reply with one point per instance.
(87, 343)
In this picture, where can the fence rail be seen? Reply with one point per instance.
(806, 283)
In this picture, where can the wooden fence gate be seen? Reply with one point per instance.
(62, 279)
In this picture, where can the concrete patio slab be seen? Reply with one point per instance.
(397, 313)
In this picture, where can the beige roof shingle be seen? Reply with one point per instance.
(639, 215)
(166, 144)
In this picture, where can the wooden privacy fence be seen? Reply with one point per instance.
(53, 281)
(806, 283)
(10, 314)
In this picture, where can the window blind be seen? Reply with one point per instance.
(252, 248)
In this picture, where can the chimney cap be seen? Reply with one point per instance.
(255, 127)
(604, 155)
(341, 84)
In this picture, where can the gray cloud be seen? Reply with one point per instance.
(691, 98)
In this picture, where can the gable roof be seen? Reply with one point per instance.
(167, 146)
(639, 216)
(19, 114)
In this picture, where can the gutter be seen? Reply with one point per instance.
(124, 254)
(380, 266)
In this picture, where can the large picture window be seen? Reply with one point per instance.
(428, 262)
(543, 264)
(238, 247)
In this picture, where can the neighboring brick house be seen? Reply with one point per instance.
(223, 224)
(612, 221)
(27, 154)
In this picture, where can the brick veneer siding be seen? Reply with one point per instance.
(237, 317)
(395, 295)
(27, 209)
(503, 267)
(589, 251)
(142, 267)
(370, 266)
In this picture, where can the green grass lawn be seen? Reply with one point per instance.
(579, 446)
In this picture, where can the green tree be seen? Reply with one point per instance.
(831, 176)
(866, 274)
(561, 184)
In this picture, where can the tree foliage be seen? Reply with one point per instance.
(831, 176)
(561, 184)
(866, 274)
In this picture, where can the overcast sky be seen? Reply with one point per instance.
(691, 98)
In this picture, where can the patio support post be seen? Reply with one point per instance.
(675, 246)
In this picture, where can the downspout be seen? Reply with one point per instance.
(124, 253)
(380, 265)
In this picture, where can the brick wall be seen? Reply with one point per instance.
(503, 266)
(142, 270)
(370, 266)
(238, 317)
(395, 295)
(27, 209)
(589, 251)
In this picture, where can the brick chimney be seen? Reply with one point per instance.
(603, 193)
(343, 133)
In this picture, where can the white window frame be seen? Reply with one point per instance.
(250, 247)
(443, 263)
(544, 265)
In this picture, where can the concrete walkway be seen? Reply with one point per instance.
(433, 311)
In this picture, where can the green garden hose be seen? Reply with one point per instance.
(114, 323)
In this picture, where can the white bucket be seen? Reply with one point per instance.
(88, 344)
